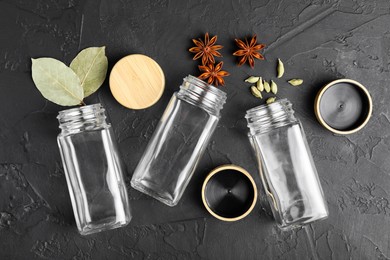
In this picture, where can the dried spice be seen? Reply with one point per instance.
(295, 82)
(249, 51)
(256, 92)
(280, 68)
(57, 82)
(252, 79)
(68, 86)
(90, 65)
(274, 87)
(267, 87)
(213, 74)
(270, 100)
(206, 49)
(260, 85)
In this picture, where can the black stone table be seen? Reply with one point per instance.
(318, 40)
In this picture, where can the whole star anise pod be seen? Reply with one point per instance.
(207, 49)
(213, 74)
(249, 51)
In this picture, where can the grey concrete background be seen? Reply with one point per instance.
(319, 41)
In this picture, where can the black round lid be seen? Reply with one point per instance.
(343, 106)
(229, 194)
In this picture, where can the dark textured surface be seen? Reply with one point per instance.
(319, 41)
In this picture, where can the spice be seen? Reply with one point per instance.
(295, 82)
(267, 87)
(280, 68)
(206, 49)
(90, 65)
(213, 74)
(249, 51)
(274, 87)
(252, 79)
(270, 100)
(260, 85)
(68, 86)
(256, 92)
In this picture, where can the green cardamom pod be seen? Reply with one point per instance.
(270, 100)
(280, 68)
(295, 82)
(267, 87)
(274, 87)
(256, 92)
(260, 85)
(252, 79)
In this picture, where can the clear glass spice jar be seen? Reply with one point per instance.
(286, 165)
(93, 170)
(179, 141)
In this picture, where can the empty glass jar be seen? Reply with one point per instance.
(179, 141)
(286, 165)
(93, 170)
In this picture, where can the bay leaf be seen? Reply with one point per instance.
(57, 82)
(90, 65)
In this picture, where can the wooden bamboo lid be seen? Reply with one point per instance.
(137, 81)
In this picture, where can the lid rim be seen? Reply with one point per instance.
(240, 170)
(322, 121)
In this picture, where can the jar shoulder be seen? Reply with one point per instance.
(85, 130)
(183, 101)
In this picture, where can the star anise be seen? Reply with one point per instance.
(206, 49)
(249, 51)
(213, 74)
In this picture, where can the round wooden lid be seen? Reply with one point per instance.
(137, 81)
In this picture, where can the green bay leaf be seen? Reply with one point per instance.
(57, 82)
(90, 65)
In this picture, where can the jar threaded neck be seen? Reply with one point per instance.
(201, 94)
(82, 118)
(264, 118)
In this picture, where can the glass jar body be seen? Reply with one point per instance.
(93, 170)
(289, 174)
(175, 148)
